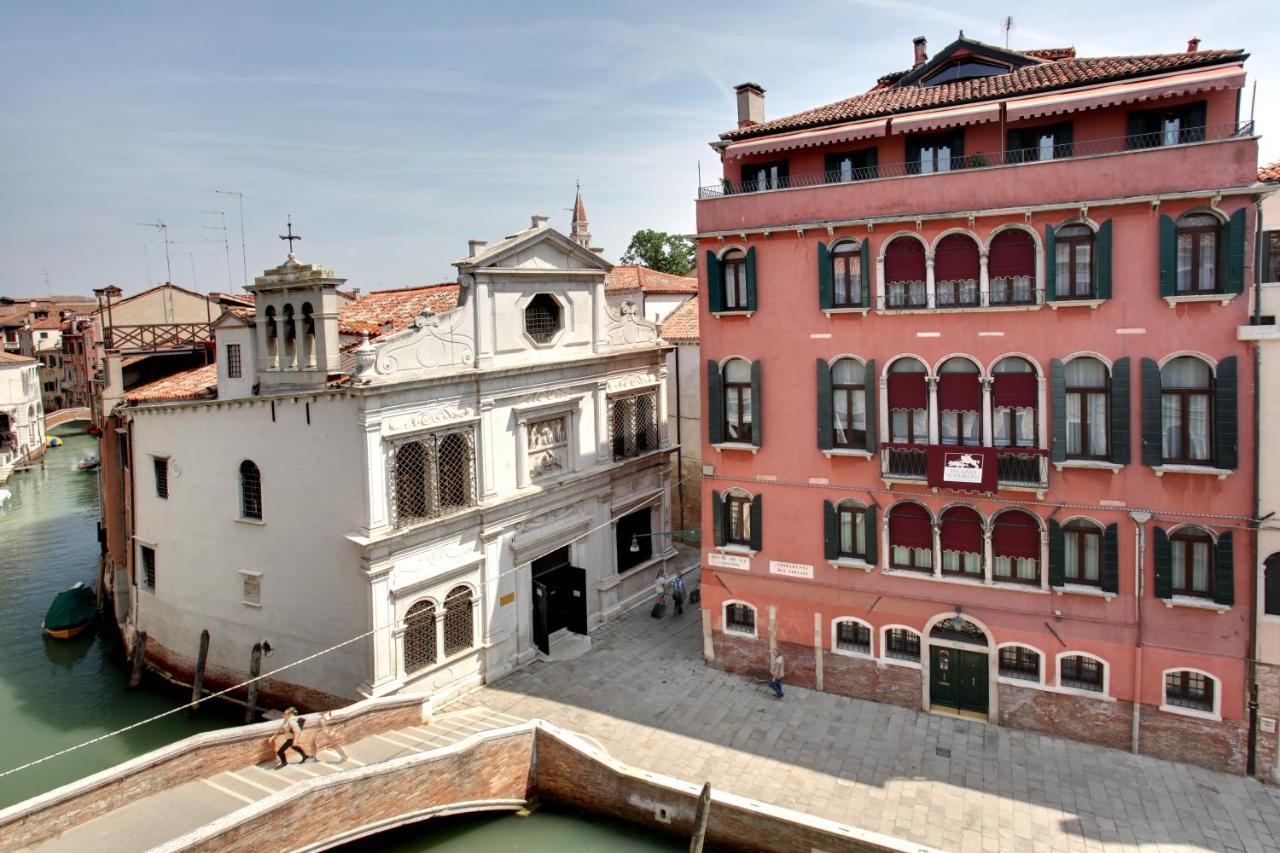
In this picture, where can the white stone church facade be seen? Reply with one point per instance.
(460, 494)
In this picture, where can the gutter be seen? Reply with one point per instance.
(1251, 661)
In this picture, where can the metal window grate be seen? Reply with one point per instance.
(542, 318)
(902, 644)
(853, 637)
(740, 617)
(1187, 689)
(1019, 662)
(149, 567)
(250, 491)
(234, 368)
(633, 424)
(1081, 672)
(161, 467)
(419, 637)
(459, 633)
(431, 476)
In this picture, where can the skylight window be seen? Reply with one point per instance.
(965, 69)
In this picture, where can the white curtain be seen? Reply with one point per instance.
(1200, 566)
(1198, 428)
(1171, 419)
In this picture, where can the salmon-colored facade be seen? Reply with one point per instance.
(1093, 578)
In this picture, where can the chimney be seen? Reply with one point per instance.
(750, 104)
(1193, 44)
(921, 52)
(537, 221)
(474, 247)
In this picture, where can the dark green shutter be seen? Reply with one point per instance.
(1193, 128)
(1058, 408)
(757, 515)
(1152, 447)
(825, 299)
(1136, 127)
(1224, 571)
(1110, 569)
(957, 149)
(864, 259)
(1050, 263)
(826, 420)
(873, 534)
(1271, 586)
(717, 518)
(1057, 555)
(1168, 257)
(751, 279)
(715, 404)
(1164, 564)
(1225, 422)
(1233, 269)
(1118, 411)
(757, 406)
(872, 407)
(1102, 261)
(715, 284)
(830, 533)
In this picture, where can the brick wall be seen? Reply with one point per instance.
(1217, 745)
(1083, 718)
(1267, 678)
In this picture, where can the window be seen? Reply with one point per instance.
(148, 566)
(764, 176)
(250, 491)
(851, 532)
(633, 424)
(431, 476)
(459, 633)
(908, 402)
(737, 507)
(846, 276)
(1080, 673)
(1020, 662)
(1184, 688)
(1087, 389)
(739, 618)
(962, 542)
(955, 267)
(737, 400)
(419, 637)
(1191, 552)
(849, 403)
(1169, 126)
(965, 69)
(960, 402)
(1012, 268)
(910, 538)
(542, 318)
(1015, 546)
(1185, 391)
(1082, 552)
(251, 588)
(852, 166)
(1198, 253)
(1271, 252)
(904, 274)
(160, 465)
(902, 643)
(733, 269)
(935, 152)
(548, 447)
(234, 368)
(1046, 142)
(853, 637)
(1271, 585)
(1014, 398)
(1073, 249)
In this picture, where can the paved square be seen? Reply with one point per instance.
(644, 693)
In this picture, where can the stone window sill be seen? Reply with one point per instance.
(744, 550)
(255, 521)
(1190, 712)
(851, 563)
(1224, 298)
(1079, 691)
(1089, 464)
(720, 314)
(1075, 303)
(1083, 589)
(978, 582)
(1196, 603)
(906, 664)
(738, 632)
(256, 605)
(861, 311)
(1205, 470)
(735, 445)
(851, 452)
(1023, 682)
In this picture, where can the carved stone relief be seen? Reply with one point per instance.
(436, 340)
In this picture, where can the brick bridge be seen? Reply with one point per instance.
(65, 416)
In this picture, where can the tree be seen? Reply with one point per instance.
(658, 250)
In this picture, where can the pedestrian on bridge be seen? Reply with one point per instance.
(291, 732)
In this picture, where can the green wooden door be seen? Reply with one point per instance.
(973, 682)
(943, 671)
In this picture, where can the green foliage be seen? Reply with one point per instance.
(658, 250)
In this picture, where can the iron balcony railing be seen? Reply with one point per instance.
(1015, 466)
(979, 160)
(905, 460)
(1003, 292)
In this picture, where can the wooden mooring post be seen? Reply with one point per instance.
(139, 657)
(255, 667)
(700, 822)
(197, 683)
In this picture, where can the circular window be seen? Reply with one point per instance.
(542, 318)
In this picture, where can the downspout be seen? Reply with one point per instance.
(1140, 537)
(1251, 661)
(679, 444)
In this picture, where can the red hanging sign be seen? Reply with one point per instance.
(970, 469)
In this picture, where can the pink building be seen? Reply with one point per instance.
(979, 430)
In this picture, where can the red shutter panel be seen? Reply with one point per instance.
(959, 392)
(1016, 534)
(962, 530)
(910, 527)
(908, 391)
(1016, 390)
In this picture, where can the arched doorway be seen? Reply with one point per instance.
(958, 678)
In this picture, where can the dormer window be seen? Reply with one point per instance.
(964, 69)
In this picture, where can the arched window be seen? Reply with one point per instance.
(960, 403)
(1082, 672)
(411, 482)
(434, 475)
(733, 270)
(419, 637)
(738, 412)
(846, 275)
(739, 618)
(910, 538)
(955, 270)
(290, 332)
(454, 471)
(1187, 688)
(851, 635)
(851, 531)
(1015, 398)
(1191, 562)
(1082, 552)
(271, 322)
(1087, 383)
(908, 402)
(1015, 547)
(1198, 235)
(962, 549)
(737, 521)
(849, 403)
(904, 274)
(1073, 247)
(1012, 268)
(459, 632)
(250, 490)
(901, 644)
(1021, 662)
(1186, 392)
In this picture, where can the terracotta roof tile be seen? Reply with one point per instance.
(384, 311)
(1042, 77)
(620, 279)
(681, 324)
(14, 358)
(1270, 173)
(198, 383)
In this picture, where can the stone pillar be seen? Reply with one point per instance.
(264, 353)
(817, 651)
(277, 357)
(930, 285)
(601, 404)
(482, 310)
(937, 551)
(934, 415)
(987, 559)
(440, 611)
(486, 450)
(984, 279)
(387, 636)
(662, 406)
(522, 451)
(988, 434)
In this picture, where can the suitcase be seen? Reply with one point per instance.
(659, 609)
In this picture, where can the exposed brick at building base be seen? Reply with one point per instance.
(1267, 677)
(1064, 715)
(1217, 745)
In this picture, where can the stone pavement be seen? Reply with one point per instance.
(644, 694)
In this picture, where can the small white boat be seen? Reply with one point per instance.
(88, 463)
(5, 494)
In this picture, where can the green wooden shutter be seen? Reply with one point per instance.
(1271, 586)
(717, 518)
(715, 284)
(1118, 412)
(826, 419)
(757, 515)
(1232, 272)
(1224, 571)
(1057, 555)
(864, 260)
(830, 535)
(757, 406)
(1168, 257)
(1050, 263)
(1164, 564)
(872, 406)
(872, 163)
(751, 279)
(1058, 409)
(1152, 447)
(1225, 422)
(957, 148)
(715, 404)
(1136, 126)
(1110, 569)
(825, 298)
(873, 534)
(1102, 261)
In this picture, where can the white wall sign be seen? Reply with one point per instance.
(791, 570)
(729, 561)
(962, 468)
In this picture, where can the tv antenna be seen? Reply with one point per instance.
(164, 233)
(1007, 25)
(226, 245)
(243, 257)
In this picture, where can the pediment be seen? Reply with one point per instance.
(540, 249)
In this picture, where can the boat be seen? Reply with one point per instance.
(53, 441)
(72, 612)
(5, 494)
(88, 463)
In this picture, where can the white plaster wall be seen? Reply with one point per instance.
(230, 388)
(20, 399)
(509, 299)
(658, 306)
(685, 361)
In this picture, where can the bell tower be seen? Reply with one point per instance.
(578, 232)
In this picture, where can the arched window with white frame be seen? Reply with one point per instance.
(1012, 268)
(419, 645)
(900, 643)
(1186, 411)
(1015, 547)
(1191, 690)
(250, 490)
(962, 538)
(1087, 386)
(851, 636)
(1019, 662)
(1015, 405)
(739, 618)
(846, 275)
(956, 271)
(910, 537)
(904, 274)
(1080, 671)
(459, 624)
(959, 403)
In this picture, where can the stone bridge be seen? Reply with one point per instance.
(64, 416)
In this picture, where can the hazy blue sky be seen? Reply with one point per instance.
(394, 132)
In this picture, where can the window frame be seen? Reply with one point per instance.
(542, 298)
(733, 279)
(734, 390)
(1181, 542)
(860, 628)
(1082, 684)
(857, 516)
(428, 444)
(1080, 528)
(1020, 652)
(1072, 243)
(235, 367)
(148, 566)
(1208, 706)
(850, 390)
(460, 592)
(737, 503)
(846, 254)
(891, 641)
(245, 513)
(1194, 232)
(1084, 392)
(741, 628)
(160, 474)
(1185, 396)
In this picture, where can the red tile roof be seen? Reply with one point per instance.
(14, 358)
(384, 311)
(621, 279)
(1270, 173)
(1041, 77)
(198, 383)
(681, 324)
(48, 323)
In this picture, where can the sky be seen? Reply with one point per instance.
(394, 132)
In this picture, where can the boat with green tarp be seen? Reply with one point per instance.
(73, 610)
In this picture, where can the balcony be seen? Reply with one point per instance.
(903, 461)
(1025, 468)
(1004, 292)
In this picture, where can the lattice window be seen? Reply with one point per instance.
(459, 633)
(548, 447)
(419, 637)
(148, 567)
(250, 490)
(633, 424)
(542, 318)
(431, 476)
(161, 467)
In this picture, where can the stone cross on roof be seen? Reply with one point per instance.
(290, 236)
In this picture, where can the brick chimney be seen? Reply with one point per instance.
(921, 51)
(750, 104)
(1193, 44)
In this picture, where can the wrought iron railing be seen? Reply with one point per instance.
(905, 460)
(980, 160)
(912, 296)
(1022, 466)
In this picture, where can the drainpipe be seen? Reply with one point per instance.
(1251, 661)
(679, 444)
(1139, 538)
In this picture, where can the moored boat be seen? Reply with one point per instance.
(71, 613)
(87, 463)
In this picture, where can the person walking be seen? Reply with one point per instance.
(660, 589)
(678, 593)
(291, 731)
(777, 672)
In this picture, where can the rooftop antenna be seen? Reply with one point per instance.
(191, 256)
(243, 258)
(1007, 25)
(164, 233)
(226, 244)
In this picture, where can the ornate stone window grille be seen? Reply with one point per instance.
(459, 630)
(548, 441)
(419, 637)
(633, 424)
(432, 475)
